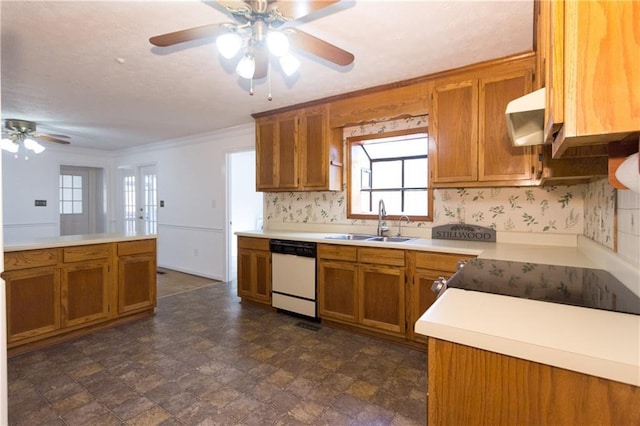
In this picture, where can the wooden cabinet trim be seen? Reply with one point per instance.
(86, 252)
(15, 260)
(253, 243)
(337, 252)
(381, 256)
(135, 247)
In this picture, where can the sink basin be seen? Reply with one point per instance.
(390, 239)
(362, 237)
(355, 237)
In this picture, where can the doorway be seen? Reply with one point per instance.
(81, 201)
(245, 205)
(140, 203)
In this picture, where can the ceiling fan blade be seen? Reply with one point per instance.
(182, 36)
(299, 8)
(52, 139)
(39, 135)
(304, 41)
(262, 63)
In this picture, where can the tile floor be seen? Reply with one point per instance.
(204, 358)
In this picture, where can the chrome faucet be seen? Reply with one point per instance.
(400, 223)
(382, 212)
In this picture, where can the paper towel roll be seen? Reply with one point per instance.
(628, 174)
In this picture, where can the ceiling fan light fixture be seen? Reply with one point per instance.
(289, 64)
(278, 43)
(246, 67)
(9, 145)
(34, 146)
(229, 44)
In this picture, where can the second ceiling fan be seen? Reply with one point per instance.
(260, 29)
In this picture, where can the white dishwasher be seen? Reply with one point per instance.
(293, 276)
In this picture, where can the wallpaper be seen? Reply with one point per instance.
(599, 212)
(553, 209)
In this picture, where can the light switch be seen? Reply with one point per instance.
(41, 203)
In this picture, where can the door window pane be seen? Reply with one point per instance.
(71, 193)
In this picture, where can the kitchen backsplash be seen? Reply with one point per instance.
(552, 210)
(628, 242)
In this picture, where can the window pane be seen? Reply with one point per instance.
(416, 173)
(397, 147)
(77, 194)
(67, 181)
(386, 174)
(66, 207)
(67, 194)
(415, 202)
(391, 201)
(77, 181)
(77, 207)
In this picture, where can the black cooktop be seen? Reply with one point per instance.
(585, 287)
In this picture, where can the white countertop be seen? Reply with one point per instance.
(75, 240)
(600, 343)
(595, 342)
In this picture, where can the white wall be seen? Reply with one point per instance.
(25, 181)
(192, 183)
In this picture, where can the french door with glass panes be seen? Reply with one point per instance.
(140, 189)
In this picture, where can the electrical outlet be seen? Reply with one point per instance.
(41, 203)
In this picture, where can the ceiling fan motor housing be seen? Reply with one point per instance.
(20, 126)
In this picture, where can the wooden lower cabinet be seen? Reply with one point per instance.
(33, 302)
(470, 386)
(254, 269)
(423, 269)
(362, 286)
(86, 292)
(58, 293)
(381, 298)
(338, 290)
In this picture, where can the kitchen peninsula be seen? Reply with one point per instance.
(62, 287)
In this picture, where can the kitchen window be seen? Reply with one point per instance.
(394, 167)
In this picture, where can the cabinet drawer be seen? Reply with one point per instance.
(253, 243)
(30, 259)
(381, 256)
(90, 252)
(439, 261)
(337, 252)
(135, 247)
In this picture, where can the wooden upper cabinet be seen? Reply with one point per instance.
(454, 132)
(499, 159)
(297, 151)
(469, 141)
(593, 71)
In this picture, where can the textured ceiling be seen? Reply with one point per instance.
(60, 63)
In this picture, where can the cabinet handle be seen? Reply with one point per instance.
(335, 163)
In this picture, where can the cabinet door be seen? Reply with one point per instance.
(381, 297)
(85, 292)
(422, 298)
(136, 283)
(265, 154)
(454, 130)
(499, 159)
(287, 152)
(254, 275)
(338, 291)
(33, 302)
(313, 149)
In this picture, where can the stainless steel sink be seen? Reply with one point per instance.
(360, 237)
(390, 239)
(355, 237)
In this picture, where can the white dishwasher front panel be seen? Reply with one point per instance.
(294, 275)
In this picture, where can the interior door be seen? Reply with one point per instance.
(74, 201)
(140, 199)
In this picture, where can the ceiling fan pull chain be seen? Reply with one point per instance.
(270, 98)
(251, 86)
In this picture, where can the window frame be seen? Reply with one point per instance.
(357, 140)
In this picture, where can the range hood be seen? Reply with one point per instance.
(525, 119)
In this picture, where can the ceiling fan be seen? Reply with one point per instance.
(260, 27)
(24, 132)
